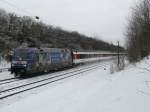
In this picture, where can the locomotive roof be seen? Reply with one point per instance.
(54, 49)
(27, 49)
(42, 49)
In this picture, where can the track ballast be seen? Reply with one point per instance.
(36, 84)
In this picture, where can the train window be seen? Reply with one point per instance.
(22, 54)
(82, 56)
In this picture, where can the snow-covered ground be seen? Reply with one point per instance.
(95, 91)
(4, 74)
(4, 64)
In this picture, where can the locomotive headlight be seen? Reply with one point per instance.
(24, 65)
(12, 64)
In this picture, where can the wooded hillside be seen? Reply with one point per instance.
(15, 30)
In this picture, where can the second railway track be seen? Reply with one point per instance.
(9, 80)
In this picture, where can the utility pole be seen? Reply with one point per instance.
(118, 54)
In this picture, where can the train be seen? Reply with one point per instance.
(27, 61)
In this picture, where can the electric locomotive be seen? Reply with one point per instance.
(27, 61)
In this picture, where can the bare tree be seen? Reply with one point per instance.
(138, 31)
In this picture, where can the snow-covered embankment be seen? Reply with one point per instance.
(97, 91)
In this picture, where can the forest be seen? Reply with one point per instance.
(138, 32)
(16, 31)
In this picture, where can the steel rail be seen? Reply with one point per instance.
(25, 85)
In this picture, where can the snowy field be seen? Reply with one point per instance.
(5, 74)
(95, 91)
(4, 64)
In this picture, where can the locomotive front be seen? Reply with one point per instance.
(22, 60)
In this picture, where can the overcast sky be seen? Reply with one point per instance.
(104, 19)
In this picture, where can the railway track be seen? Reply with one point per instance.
(9, 80)
(11, 91)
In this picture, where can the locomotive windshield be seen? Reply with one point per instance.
(22, 54)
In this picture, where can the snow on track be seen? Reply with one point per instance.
(95, 91)
(4, 73)
(32, 85)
